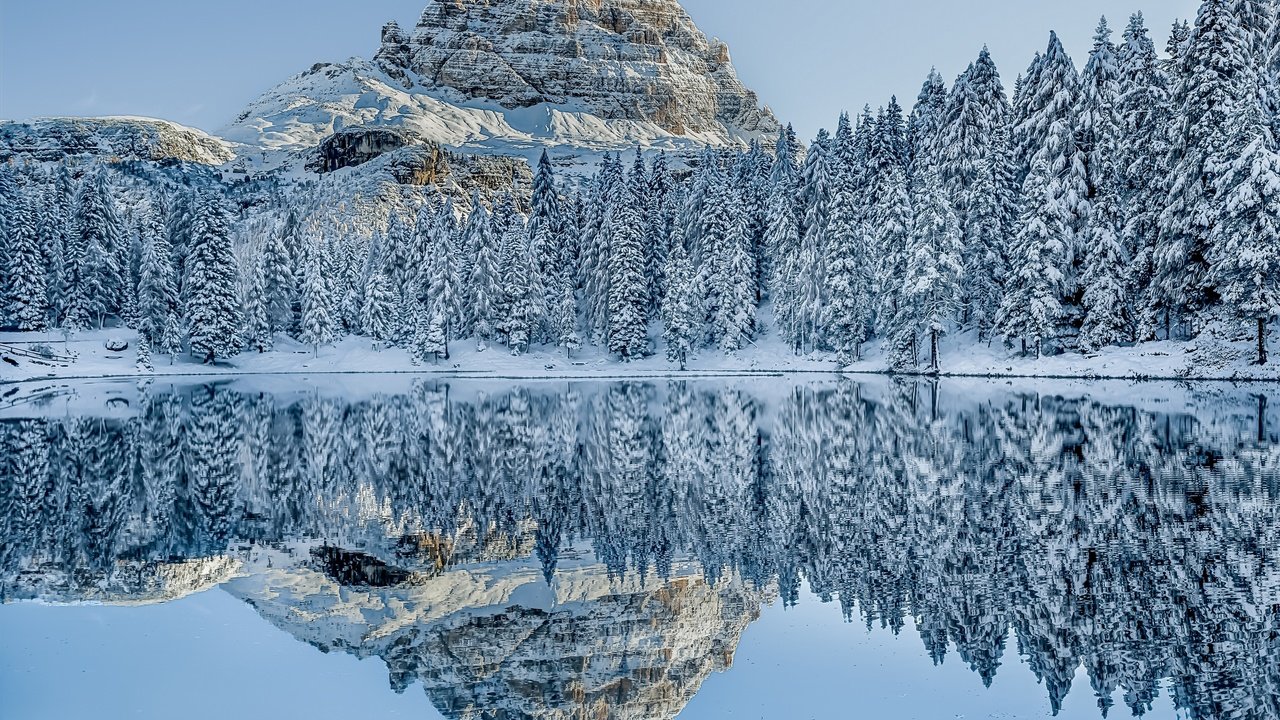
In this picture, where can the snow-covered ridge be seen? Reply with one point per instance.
(126, 138)
(515, 77)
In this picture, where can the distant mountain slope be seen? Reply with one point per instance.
(126, 138)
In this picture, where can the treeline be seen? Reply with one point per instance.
(1075, 534)
(1133, 200)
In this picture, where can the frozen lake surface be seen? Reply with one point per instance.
(745, 548)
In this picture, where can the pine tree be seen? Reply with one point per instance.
(319, 325)
(431, 342)
(279, 282)
(99, 278)
(546, 230)
(1032, 305)
(925, 126)
(1246, 244)
(678, 312)
(483, 290)
(158, 287)
(212, 306)
(377, 311)
(736, 314)
(1105, 321)
(848, 284)
(1098, 123)
(1215, 71)
(1142, 167)
(628, 289)
(257, 329)
(986, 254)
(663, 216)
(443, 293)
(934, 270)
(892, 218)
(810, 271)
(27, 295)
(144, 354)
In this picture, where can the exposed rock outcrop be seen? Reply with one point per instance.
(54, 139)
(639, 60)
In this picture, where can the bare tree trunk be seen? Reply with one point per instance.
(933, 351)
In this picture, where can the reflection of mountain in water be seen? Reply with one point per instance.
(494, 640)
(529, 553)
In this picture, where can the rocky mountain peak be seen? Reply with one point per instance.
(639, 60)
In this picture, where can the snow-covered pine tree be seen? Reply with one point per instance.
(442, 293)
(27, 295)
(57, 228)
(976, 108)
(377, 313)
(1104, 276)
(433, 342)
(8, 202)
(1215, 71)
(934, 268)
(1098, 122)
(256, 329)
(891, 218)
(144, 354)
(597, 249)
(848, 314)
(547, 240)
(99, 277)
(782, 236)
(1246, 243)
(279, 282)
(525, 309)
(318, 326)
(212, 306)
(736, 313)
(628, 288)
(1032, 305)
(809, 274)
(1142, 167)
(718, 207)
(483, 288)
(663, 215)
(925, 125)
(986, 249)
(678, 311)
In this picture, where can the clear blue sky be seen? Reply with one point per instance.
(199, 63)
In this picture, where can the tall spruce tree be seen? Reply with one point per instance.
(1032, 305)
(27, 295)
(934, 267)
(628, 290)
(213, 310)
(678, 309)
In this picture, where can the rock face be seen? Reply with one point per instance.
(515, 77)
(639, 60)
(54, 139)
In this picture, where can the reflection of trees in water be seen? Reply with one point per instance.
(1139, 546)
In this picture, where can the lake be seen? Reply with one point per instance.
(747, 548)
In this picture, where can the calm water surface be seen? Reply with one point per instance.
(748, 549)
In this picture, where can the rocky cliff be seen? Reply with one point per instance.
(517, 76)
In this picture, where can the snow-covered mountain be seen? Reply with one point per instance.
(518, 76)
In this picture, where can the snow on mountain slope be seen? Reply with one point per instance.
(517, 76)
(127, 138)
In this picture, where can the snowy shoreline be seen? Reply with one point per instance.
(1194, 361)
